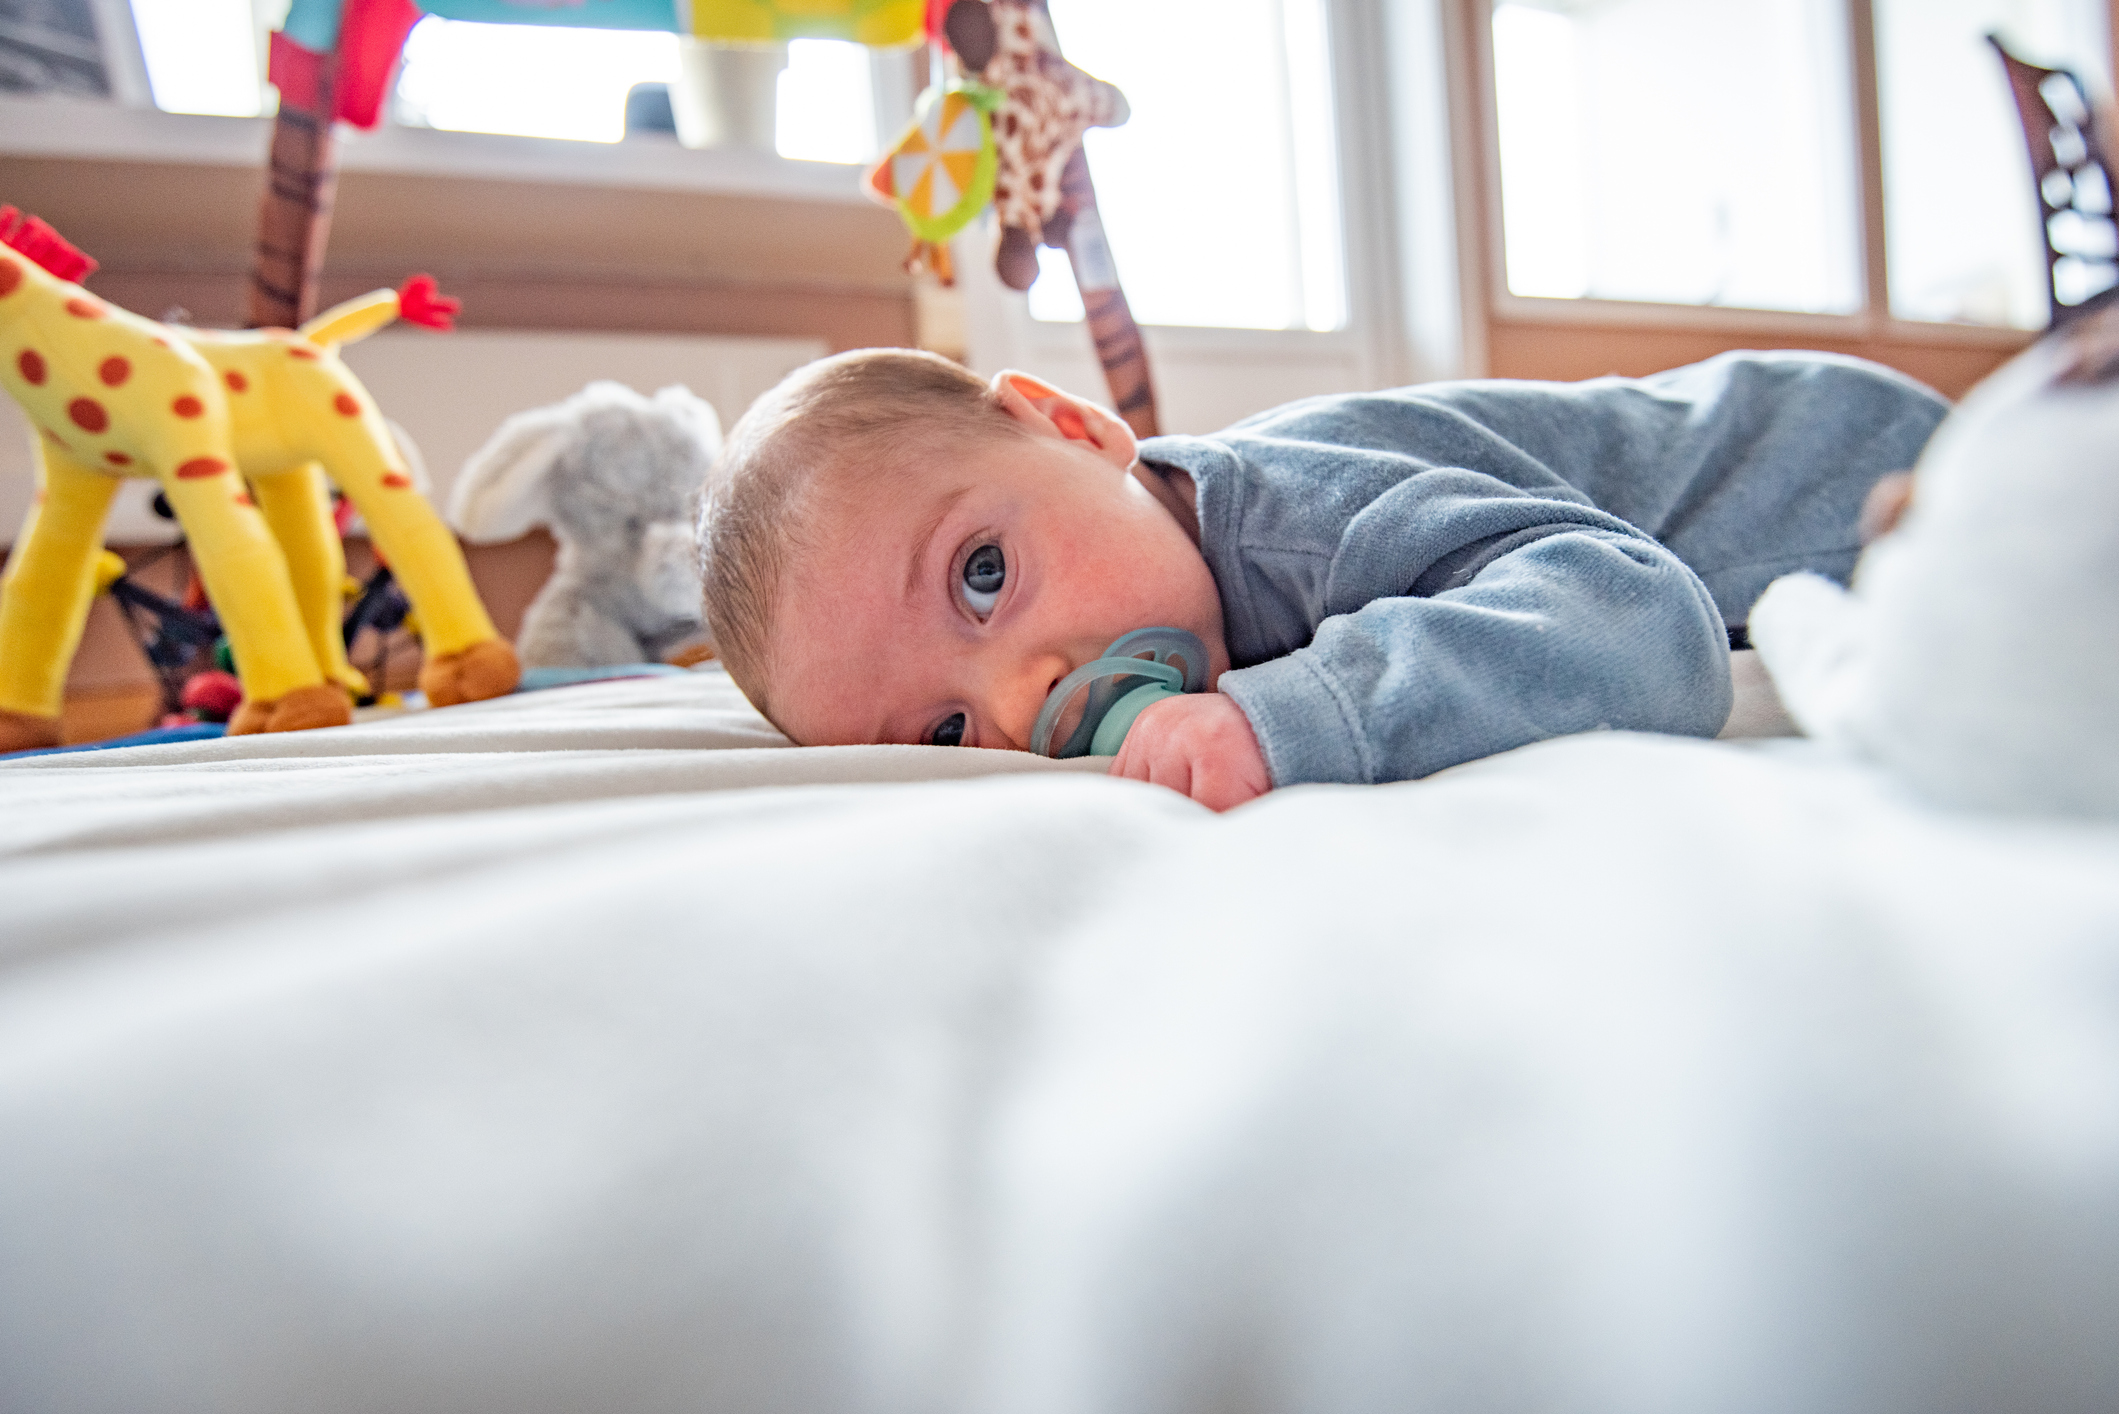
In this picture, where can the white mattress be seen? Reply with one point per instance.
(595, 1049)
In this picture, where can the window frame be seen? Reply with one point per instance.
(1496, 315)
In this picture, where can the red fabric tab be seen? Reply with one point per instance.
(371, 36)
(297, 72)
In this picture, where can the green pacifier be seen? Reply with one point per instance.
(1135, 673)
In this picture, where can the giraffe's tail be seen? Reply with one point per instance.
(417, 301)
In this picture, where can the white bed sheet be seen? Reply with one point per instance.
(526, 1056)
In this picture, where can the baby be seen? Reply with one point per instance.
(1386, 584)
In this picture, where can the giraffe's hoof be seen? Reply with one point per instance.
(324, 705)
(19, 731)
(483, 670)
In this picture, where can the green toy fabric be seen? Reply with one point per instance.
(940, 175)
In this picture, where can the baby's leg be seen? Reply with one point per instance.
(45, 596)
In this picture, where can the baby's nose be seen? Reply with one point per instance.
(1019, 699)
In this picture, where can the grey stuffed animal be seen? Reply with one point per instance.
(614, 475)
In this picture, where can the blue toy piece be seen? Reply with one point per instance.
(1134, 673)
(156, 736)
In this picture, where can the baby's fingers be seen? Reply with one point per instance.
(1142, 758)
(1220, 789)
(1172, 769)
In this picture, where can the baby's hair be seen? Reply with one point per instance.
(854, 420)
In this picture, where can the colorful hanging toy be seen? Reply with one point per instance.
(1032, 108)
(940, 176)
(238, 428)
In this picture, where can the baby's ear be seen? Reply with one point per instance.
(1046, 410)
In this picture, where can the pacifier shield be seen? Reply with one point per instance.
(1143, 659)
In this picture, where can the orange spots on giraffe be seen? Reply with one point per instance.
(10, 277)
(236, 382)
(114, 371)
(54, 438)
(160, 342)
(199, 468)
(85, 308)
(187, 406)
(117, 459)
(397, 481)
(242, 498)
(346, 405)
(32, 365)
(297, 351)
(88, 414)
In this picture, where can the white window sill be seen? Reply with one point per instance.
(1764, 322)
(65, 128)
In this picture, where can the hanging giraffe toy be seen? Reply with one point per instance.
(238, 428)
(1000, 136)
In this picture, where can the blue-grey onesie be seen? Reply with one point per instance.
(1417, 578)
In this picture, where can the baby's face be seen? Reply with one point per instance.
(946, 613)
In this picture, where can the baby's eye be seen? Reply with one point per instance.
(984, 574)
(949, 733)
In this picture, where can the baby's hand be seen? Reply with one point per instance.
(1200, 744)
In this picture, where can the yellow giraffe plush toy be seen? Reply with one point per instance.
(203, 412)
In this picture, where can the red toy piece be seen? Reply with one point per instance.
(420, 301)
(50, 250)
(212, 696)
(371, 36)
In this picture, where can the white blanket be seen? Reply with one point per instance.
(511, 1058)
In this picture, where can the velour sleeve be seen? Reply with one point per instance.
(1462, 618)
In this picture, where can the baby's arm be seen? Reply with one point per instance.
(1566, 620)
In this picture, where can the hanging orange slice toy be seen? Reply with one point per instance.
(939, 176)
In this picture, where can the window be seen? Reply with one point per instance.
(827, 109)
(571, 83)
(1634, 168)
(527, 79)
(202, 56)
(1710, 153)
(1219, 213)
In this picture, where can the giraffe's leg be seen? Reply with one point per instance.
(45, 595)
(467, 659)
(246, 576)
(297, 508)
